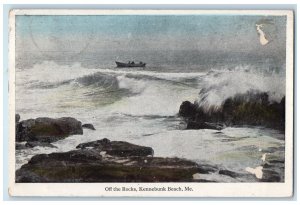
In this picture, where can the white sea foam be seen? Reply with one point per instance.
(51, 72)
(164, 75)
(214, 87)
(154, 98)
(217, 86)
(136, 86)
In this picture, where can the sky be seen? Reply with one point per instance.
(213, 33)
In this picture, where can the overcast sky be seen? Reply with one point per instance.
(235, 33)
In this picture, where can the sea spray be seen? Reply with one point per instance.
(218, 86)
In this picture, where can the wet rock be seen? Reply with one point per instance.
(273, 167)
(74, 156)
(268, 165)
(206, 168)
(17, 118)
(251, 108)
(276, 161)
(118, 148)
(229, 173)
(88, 126)
(205, 180)
(187, 109)
(40, 144)
(20, 146)
(28, 176)
(23, 145)
(88, 165)
(270, 176)
(47, 129)
(203, 125)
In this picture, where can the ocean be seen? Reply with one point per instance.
(140, 106)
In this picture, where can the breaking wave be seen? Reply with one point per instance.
(218, 86)
(98, 80)
(157, 93)
(50, 73)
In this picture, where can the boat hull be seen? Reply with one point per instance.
(129, 65)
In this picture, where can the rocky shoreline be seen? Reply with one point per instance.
(251, 109)
(110, 161)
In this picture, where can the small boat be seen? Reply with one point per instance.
(130, 64)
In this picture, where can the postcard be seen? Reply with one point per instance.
(151, 103)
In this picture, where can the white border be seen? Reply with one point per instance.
(200, 189)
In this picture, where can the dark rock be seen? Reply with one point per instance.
(274, 167)
(203, 125)
(33, 144)
(29, 177)
(270, 176)
(88, 165)
(204, 180)
(193, 125)
(229, 173)
(206, 168)
(251, 108)
(20, 146)
(118, 148)
(88, 126)
(268, 165)
(47, 129)
(40, 144)
(187, 109)
(17, 118)
(276, 161)
(74, 156)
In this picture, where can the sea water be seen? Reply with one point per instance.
(141, 106)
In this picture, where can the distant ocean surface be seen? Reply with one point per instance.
(141, 106)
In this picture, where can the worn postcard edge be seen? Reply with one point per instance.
(284, 189)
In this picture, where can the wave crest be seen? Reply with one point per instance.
(98, 80)
(218, 86)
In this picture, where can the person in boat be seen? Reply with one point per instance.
(132, 62)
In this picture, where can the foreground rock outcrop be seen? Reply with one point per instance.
(253, 109)
(108, 161)
(118, 161)
(118, 148)
(46, 129)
